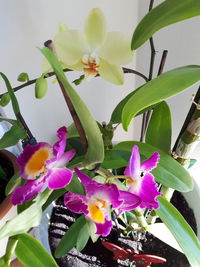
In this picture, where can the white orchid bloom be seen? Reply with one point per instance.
(95, 51)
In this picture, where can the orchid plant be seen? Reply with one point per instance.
(99, 179)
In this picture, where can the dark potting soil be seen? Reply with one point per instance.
(9, 170)
(95, 255)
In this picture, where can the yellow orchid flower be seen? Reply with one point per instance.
(95, 51)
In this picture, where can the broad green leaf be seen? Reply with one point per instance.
(13, 98)
(115, 158)
(72, 131)
(31, 253)
(159, 130)
(24, 221)
(161, 231)
(158, 89)
(12, 136)
(23, 77)
(5, 99)
(83, 237)
(94, 138)
(8, 120)
(68, 241)
(166, 13)
(75, 186)
(169, 172)
(181, 230)
(13, 182)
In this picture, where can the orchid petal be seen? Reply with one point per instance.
(148, 192)
(130, 201)
(111, 73)
(150, 163)
(95, 28)
(116, 49)
(59, 147)
(59, 178)
(107, 192)
(133, 169)
(70, 46)
(28, 191)
(104, 228)
(66, 157)
(76, 203)
(32, 159)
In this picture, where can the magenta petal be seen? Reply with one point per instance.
(76, 203)
(59, 147)
(133, 168)
(148, 192)
(150, 163)
(104, 228)
(130, 201)
(27, 153)
(28, 191)
(66, 157)
(108, 192)
(59, 178)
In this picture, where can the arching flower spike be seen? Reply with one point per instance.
(142, 182)
(95, 51)
(97, 202)
(39, 165)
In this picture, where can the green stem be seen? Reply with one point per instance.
(140, 218)
(12, 242)
(103, 172)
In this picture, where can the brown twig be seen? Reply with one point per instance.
(71, 108)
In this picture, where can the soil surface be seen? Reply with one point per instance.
(95, 255)
(9, 170)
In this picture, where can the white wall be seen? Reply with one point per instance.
(25, 25)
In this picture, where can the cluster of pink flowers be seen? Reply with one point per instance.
(42, 166)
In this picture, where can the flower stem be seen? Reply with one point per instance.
(140, 218)
(12, 242)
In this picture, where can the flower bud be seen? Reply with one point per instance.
(41, 86)
(5, 99)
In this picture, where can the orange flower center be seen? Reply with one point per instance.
(36, 164)
(95, 210)
(92, 64)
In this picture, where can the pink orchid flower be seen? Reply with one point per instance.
(39, 166)
(97, 202)
(141, 182)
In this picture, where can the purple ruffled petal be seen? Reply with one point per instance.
(133, 168)
(28, 191)
(26, 155)
(59, 147)
(148, 192)
(130, 201)
(76, 203)
(107, 192)
(104, 228)
(66, 157)
(59, 178)
(150, 163)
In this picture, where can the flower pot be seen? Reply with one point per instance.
(94, 254)
(8, 161)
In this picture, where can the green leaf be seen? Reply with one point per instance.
(23, 77)
(5, 99)
(181, 230)
(54, 195)
(24, 221)
(41, 87)
(3, 175)
(158, 89)
(83, 237)
(12, 136)
(13, 182)
(94, 138)
(115, 158)
(159, 130)
(31, 253)
(168, 172)
(72, 131)
(166, 13)
(13, 98)
(69, 240)
(92, 230)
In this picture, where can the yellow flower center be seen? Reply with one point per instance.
(36, 164)
(91, 63)
(95, 210)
